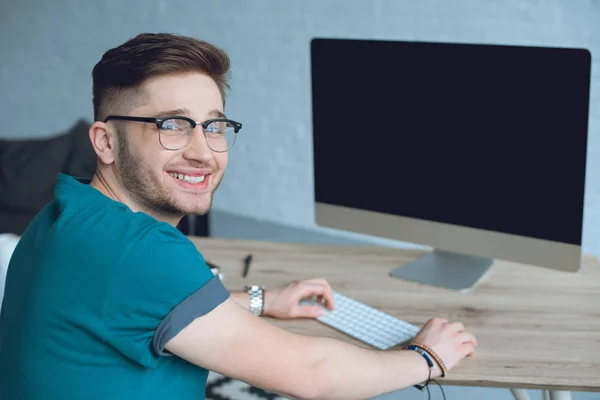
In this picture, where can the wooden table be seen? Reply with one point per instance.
(536, 328)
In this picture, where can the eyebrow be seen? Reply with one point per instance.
(187, 113)
(170, 113)
(216, 113)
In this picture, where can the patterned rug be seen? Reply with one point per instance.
(219, 387)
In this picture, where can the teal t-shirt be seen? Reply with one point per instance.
(93, 293)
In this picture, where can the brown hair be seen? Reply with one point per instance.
(118, 76)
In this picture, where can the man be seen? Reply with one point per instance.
(105, 299)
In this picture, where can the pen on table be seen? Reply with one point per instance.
(247, 262)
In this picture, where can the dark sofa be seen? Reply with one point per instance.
(29, 169)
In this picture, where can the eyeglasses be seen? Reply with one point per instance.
(174, 133)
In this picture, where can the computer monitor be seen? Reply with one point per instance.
(477, 151)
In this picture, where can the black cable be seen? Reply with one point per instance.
(437, 383)
(429, 393)
(426, 385)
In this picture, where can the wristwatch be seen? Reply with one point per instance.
(257, 299)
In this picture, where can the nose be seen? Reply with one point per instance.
(197, 149)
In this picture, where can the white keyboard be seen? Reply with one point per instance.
(367, 324)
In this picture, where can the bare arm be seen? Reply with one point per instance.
(242, 298)
(231, 341)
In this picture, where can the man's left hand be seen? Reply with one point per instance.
(284, 302)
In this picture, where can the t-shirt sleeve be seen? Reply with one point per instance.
(162, 285)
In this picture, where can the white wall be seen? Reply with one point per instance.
(48, 49)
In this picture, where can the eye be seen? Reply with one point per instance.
(218, 127)
(176, 125)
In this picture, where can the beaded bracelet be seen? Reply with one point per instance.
(424, 354)
(437, 359)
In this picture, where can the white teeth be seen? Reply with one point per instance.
(187, 178)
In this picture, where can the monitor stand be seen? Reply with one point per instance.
(445, 269)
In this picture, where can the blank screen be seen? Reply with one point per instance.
(482, 136)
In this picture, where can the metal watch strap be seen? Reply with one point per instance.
(257, 299)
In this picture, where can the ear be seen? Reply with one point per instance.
(104, 142)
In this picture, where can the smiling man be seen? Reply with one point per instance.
(106, 299)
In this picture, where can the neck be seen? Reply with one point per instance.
(108, 185)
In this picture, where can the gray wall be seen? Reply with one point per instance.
(49, 48)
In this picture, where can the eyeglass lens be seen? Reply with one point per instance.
(177, 133)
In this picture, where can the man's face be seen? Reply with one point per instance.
(149, 173)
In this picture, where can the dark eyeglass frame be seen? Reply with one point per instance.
(160, 121)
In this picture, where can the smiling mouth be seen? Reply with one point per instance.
(188, 178)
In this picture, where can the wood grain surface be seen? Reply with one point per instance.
(536, 328)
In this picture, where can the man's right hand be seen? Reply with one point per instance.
(450, 341)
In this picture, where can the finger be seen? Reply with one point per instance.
(316, 289)
(437, 321)
(469, 338)
(468, 349)
(328, 296)
(319, 280)
(455, 327)
(310, 291)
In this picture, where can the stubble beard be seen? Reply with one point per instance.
(146, 189)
